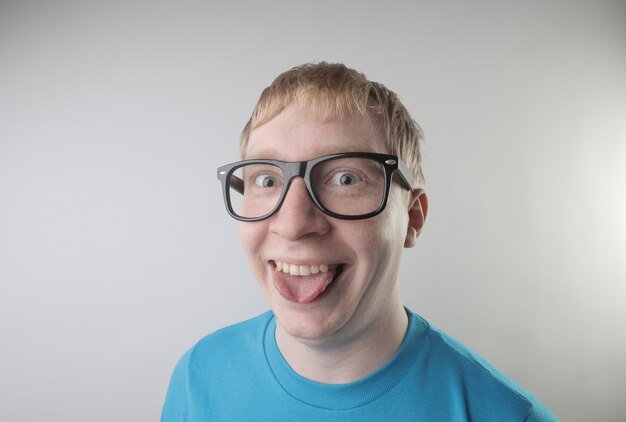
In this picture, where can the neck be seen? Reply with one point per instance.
(347, 359)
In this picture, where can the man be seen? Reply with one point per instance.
(329, 193)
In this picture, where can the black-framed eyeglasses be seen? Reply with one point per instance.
(351, 186)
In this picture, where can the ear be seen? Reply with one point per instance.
(418, 208)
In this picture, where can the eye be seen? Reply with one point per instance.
(266, 181)
(345, 178)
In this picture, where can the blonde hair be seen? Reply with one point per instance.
(332, 90)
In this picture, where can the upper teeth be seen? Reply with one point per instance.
(301, 269)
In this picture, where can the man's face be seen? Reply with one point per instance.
(362, 256)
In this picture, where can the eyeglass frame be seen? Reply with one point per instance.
(292, 169)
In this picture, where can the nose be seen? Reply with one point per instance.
(298, 216)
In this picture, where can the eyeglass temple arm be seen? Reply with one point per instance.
(236, 183)
(406, 175)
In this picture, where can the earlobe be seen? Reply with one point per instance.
(418, 209)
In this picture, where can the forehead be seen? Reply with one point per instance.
(297, 134)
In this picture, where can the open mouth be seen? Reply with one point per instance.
(304, 283)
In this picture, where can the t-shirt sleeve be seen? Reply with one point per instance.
(176, 401)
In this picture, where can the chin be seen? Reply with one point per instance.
(313, 325)
(311, 332)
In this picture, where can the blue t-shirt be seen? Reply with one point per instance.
(239, 374)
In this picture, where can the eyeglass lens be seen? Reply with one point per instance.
(347, 186)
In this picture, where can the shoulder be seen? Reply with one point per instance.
(485, 388)
(230, 350)
(225, 347)
(233, 340)
(247, 329)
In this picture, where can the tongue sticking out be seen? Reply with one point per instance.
(302, 289)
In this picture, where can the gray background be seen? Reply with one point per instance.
(116, 254)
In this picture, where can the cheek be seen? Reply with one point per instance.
(382, 238)
(250, 237)
(243, 235)
(375, 239)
